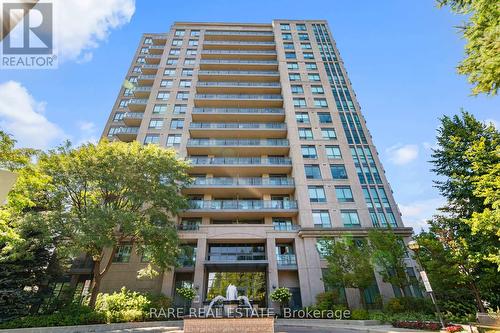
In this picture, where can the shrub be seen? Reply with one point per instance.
(418, 325)
(328, 300)
(187, 293)
(359, 314)
(386, 317)
(409, 304)
(281, 295)
(123, 306)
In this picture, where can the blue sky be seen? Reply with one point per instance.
(400, 56)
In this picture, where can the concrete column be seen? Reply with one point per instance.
(199, 269)
(272, 271)
(309, 269)
(385, 289)
(167, 283)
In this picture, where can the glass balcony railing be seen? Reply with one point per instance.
(143, 89)
(156, 47)
(232, 42)
(240, 161)
(285, 226)
(152, 56)
(146, 77)
(148, 66)
(238, 142)
(237, 126)
(239, 110)
(286, 260)
(239, 33)
(243, 204)
(127, 130)
(243, 62)
(238, 84)
(238, 51)
(243, 181)
(133, 115)
(188, 226)
(236, 96)
(271, 73)
(138, 101)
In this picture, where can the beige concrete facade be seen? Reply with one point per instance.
(249, 104)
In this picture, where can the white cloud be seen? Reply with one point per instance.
(402, 154)
(416, 214)
(82, 25)
(23, 117)
(87, 132)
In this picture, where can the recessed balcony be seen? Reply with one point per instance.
(238, 87)
(241, 147)
(239, 35)
(238, 114)
(254, 76)
(239, 54)
(233, 64)
(247, 130)
(142, 91)
(146, 79)
(127, 134)
(241, 186)
(132, 118)
(242, 208)
(156, 49)
(237, 100)
(149, 68)
(159, 39)
(152, 58)
(137, 104)
(286, 261)
(245, 166)
(238, 45)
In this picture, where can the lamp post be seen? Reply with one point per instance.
(415, 247)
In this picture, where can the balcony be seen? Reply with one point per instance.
(159, 39)
(238, 87)
(238, 114)
(142, 91)
(241, 147)
(243, 186)
(137, 104)
(133, 118)
(156, 49)
(233, 64)
(246, 166)
(127, 134)
(254, 76)
(239, 54)
(247, 130)
(188, 227)
(238, 45)
(286, 227)
(152, 58)
(146, 79)
(239, 35)
(286, 261)
(242, 208)
(237, 100)
(149, 69)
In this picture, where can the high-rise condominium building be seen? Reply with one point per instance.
(281, 156)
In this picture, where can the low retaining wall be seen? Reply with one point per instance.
(229, 325)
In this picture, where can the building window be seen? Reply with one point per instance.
(148, 40)
(133, 79)
(316, 193)
(137, 69)
(286, 36)
(325, 117)
(185, 83)
(288, 46)
(152, 139)
(344, 194)
(320, 103)
(127, 92)
(195, 33)
(313, 77)
(160, 108)
(302, 117)
(169, 72)
(297, 89)
(338, 171)
(180, 108)
(333, 152)
(113, 130)
(193, 42)
(350, 218)
(177, 42)
(173, 140)
(285, 26)
(189, 62)
(191, 52)
(303, 36)
(123, 103)
(290, 55)
(118, 116)
(282, 224)
(318, 90)
(177, 123)
(308, 55)
(294, 77)
(299, 102)
(301, 27)
(175, 52)
(305, 134)
(156, 123)
(311, 66)
(182, 95)
(166, 83)
(163, 96)
(122, 254)
(180, 33)
(321, 219)
(309, 151)
(312, 171)
(305, 46)
(172, 61)
(187, 72)
(328, 134)
(292, 65)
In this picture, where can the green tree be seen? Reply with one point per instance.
(482, 32)
(100, 196)
(349, 265)
(388, 256)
